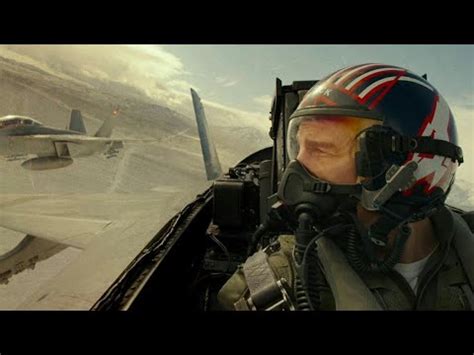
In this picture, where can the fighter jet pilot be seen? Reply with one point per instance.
(379, 144)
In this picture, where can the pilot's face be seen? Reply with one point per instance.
(327, 147)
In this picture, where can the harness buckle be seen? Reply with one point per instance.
(279, 304)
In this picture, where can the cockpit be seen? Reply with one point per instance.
(14, 121)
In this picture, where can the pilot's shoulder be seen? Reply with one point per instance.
(286, 243)
(279, 260)
(234, 289)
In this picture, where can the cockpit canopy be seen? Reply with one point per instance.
(13, 120)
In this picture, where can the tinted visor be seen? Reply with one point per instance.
(339, 129)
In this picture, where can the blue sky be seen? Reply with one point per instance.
(238, 75)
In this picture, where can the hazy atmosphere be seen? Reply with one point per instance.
(150, 85)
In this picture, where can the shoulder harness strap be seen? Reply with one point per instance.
(266, 292)
(348, 289)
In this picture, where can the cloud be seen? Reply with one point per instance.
(140, 66)
(225, 82)
(157, 62)
(182, 86)
(223, 115)
(264, 101)
(230, 83)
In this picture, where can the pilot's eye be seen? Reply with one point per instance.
(322, 147)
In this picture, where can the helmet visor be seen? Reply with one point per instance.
(330, 131)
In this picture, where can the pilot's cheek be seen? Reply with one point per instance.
(342, 171)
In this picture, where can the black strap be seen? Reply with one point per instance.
(322, 187)
(427, 145)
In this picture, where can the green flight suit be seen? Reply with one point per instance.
(444, 283)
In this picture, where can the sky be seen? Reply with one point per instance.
(236, 82)
(242, 76)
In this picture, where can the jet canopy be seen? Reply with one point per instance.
(13, 120)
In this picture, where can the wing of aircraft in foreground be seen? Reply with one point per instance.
(110, 229)
(114, 231)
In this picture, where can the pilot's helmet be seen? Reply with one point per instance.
(415, 124)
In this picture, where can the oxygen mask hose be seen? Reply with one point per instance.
(362, 261)
(309, 278)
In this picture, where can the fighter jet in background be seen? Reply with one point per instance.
(54, 148)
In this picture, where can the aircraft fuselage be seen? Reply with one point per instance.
(30, 130)
(14, 141)
(17, 139)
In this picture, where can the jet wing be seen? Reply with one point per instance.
(111, 229)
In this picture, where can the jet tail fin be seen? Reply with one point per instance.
(76, 123)
(209, 153)
(107, 127)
